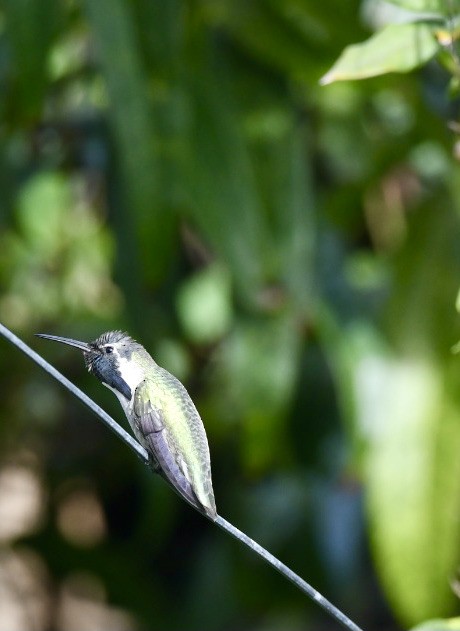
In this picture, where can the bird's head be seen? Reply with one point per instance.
(109, 358)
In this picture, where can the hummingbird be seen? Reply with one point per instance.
(160, 412)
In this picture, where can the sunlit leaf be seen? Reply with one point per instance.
(396, 48)
(204, 304)
(351, 352)
(440, 6)
(449, 624)
(413, 475)
(413, 469)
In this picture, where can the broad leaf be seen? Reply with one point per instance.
(413, 487)
(413, 468)
(440, 6)
(449, 624)
(397, 48)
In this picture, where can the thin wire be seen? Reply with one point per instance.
(305, 587)
(299, 582)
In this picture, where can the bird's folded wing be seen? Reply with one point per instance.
(151, 426)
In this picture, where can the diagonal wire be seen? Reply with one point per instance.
(269, 558)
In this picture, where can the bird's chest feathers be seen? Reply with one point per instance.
(132, 374)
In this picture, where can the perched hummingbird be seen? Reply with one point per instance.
(159, 410)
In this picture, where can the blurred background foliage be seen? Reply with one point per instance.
(290, 252)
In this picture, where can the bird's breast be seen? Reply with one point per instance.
(131, 373)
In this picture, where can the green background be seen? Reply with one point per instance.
(290, 252)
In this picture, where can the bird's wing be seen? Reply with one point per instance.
(167, 462)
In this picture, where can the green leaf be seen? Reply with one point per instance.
(413, 487)
(396, 48)
(351, 352)
(275, 40)
(224, 200)
(260, 360)
(204, 304)
(31, 27)
(448, 624)
(440, 6)
(143, 224)
(288, 188)
(413, 468)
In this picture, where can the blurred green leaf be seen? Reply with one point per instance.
(55, 231)
(42, 212)
(440, 6)
(413, 469)
(163, 44)
(449, 624)
(144, 224)
(225, 204)
(260, 361)
(413, 481)
(204, 304)
(353, 352)
(276, 40)
(31, 27)
(396, 48)
(294, 222)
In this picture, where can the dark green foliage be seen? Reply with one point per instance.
(289, 251)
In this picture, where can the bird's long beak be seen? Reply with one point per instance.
(83, 346)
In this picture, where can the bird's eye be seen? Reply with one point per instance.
(109, 349)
